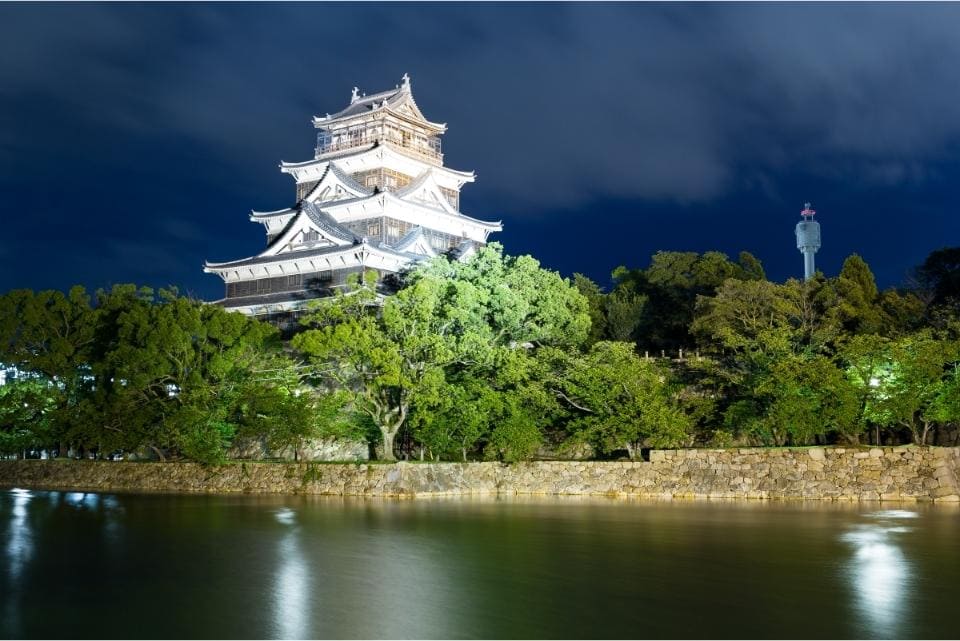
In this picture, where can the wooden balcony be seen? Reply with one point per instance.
(404, 146)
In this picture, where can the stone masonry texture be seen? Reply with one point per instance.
(834, 473)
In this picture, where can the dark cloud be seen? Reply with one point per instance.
(149, 130)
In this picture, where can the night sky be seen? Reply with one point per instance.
(135, 139)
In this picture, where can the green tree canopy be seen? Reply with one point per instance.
(448, 319)
(619, 400)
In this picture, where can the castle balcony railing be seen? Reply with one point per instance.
(403, 144)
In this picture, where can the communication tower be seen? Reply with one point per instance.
(808, 239)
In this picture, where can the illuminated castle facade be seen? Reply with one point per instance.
(376, 196)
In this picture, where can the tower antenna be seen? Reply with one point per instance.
(808, 240)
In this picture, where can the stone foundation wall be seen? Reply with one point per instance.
(865, 474)
(315, 450)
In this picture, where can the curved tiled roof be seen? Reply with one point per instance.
(409, 239)
(365, 104)
(272, 214)
(326, 223)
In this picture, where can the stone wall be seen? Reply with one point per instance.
(314, 450)
(866, 474)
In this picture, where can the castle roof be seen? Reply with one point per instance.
(398, 100)
(302, 254)
(373, 152)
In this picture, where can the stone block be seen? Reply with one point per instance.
(942, 491)
(816, 453)
(942, 471)
(876, 452)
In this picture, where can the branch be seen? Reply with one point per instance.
(569, 400)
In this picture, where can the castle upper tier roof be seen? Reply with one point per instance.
(398, 100)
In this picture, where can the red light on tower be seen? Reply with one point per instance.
(807, 212)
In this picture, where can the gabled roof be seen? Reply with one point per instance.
(415, 242)
(398, 100)
(464, 250)
(310, 216)
(426, 184)
(326, 224)
(333, 177)
(493, 225)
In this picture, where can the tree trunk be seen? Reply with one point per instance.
(923, 435)
(464, 451)
(156, 450)
(388, 436)
(631, 450)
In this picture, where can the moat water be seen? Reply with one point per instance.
(164, 566)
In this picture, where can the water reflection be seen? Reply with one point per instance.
(879, 571)
(317, 567)
(291, 592)
(19, 551)
(20, 539)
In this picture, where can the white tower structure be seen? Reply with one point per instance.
(376, 196)
(808, 240)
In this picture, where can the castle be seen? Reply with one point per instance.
(376, 196)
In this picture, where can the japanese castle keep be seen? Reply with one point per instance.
(376, 196)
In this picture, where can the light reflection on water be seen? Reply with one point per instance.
(19, 550)
(315, 567)
(19, 544)
(880, 572)
(291, 593)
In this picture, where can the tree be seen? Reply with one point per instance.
(764, 318)
(51, 336)
(26, 406)
(624, 313)
(769, 344)
(939, 276)
(916, 390)
(448, 318)
(168, 374)
(596, 300)
(390, 357)
(803, 398)
(672, 284)
(858, 298)
(619, 400)
(867, 358)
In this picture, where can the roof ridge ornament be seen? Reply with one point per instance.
(355, 96)
(406, 81)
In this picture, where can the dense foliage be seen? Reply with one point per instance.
(495, 358)
(137, 371)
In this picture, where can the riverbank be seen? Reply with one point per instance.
(853, 474)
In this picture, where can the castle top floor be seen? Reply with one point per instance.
(389, 117)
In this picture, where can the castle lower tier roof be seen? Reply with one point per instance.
(259, 215)
(372, 148)
(326, 223)
(306, 254)
(273, 299)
